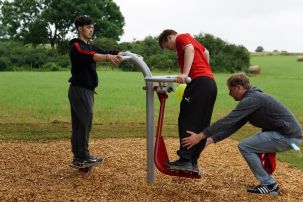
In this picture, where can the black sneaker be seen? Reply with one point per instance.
(272, 189)
(180, 165)
(196, 169)
(93, 160)
(76, 163)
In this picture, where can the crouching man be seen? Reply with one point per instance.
(280, 129)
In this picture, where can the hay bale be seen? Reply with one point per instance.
(300, 58)
(255, 69)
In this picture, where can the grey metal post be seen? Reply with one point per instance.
(150, 132)
(149, 114)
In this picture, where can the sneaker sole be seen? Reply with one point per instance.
(177, 168)
(187, 172)
(87, 165)
(86, 170)
(274, 193)
(183, 170)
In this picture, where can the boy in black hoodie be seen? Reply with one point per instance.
(83, 82)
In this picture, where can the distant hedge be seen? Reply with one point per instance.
(17, 56)
(224, 57)
(153, 55)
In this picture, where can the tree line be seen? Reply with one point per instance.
(49, 21)
(33, 35)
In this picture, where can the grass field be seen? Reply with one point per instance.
(34, 105)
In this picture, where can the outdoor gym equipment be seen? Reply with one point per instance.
(156, 155)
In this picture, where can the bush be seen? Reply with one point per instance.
(19, 56)
(153, 55)
(61, 60)
(50, 66)
(161, 62)
(225, 57)
(3, 64)
(259, 49)
(63, 46)
(128, 66)
(106, 43)
(34, 59)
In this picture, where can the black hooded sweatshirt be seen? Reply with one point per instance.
(83, 69)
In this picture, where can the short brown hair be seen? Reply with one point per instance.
(83, 20)
(164, 35)
(238, 79)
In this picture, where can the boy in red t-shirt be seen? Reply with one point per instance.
(199, 96)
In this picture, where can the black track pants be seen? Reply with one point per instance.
(195, 113)
(81, 102)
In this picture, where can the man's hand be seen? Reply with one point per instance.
(192, 140)
(115, 59)
(209, 141)
(181, 78)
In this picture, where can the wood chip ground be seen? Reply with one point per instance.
(39, 171)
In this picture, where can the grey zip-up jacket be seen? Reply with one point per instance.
(262, 111)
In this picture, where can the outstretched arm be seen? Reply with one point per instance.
(195, 138)
(115, 59)
(102, 55)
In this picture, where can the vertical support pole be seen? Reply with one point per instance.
(150, 131)
(149, 114)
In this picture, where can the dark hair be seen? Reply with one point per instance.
(238, 79)
(164, 35)
(83, 20)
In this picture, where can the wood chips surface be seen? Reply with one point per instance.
(39, 171)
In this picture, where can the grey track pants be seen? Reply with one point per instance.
(81, 103)
(264, 142)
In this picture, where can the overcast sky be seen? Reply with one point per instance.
(272, 24)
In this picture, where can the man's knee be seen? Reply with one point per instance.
(242, 147)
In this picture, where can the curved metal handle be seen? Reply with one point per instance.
(166, 79)
(187, 80)
(126, 57)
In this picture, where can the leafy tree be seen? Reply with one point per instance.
(3, 28)
(224, 56)
(259, 49)
(56, 17)
(3, 31)
(106, 43)
(17, 15)
(37, 32)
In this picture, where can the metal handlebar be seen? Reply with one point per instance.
(126, 57)
(165, 83)
(166, 79)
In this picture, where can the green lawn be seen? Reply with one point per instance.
(29, 101)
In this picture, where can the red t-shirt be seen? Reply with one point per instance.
(200, 66)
